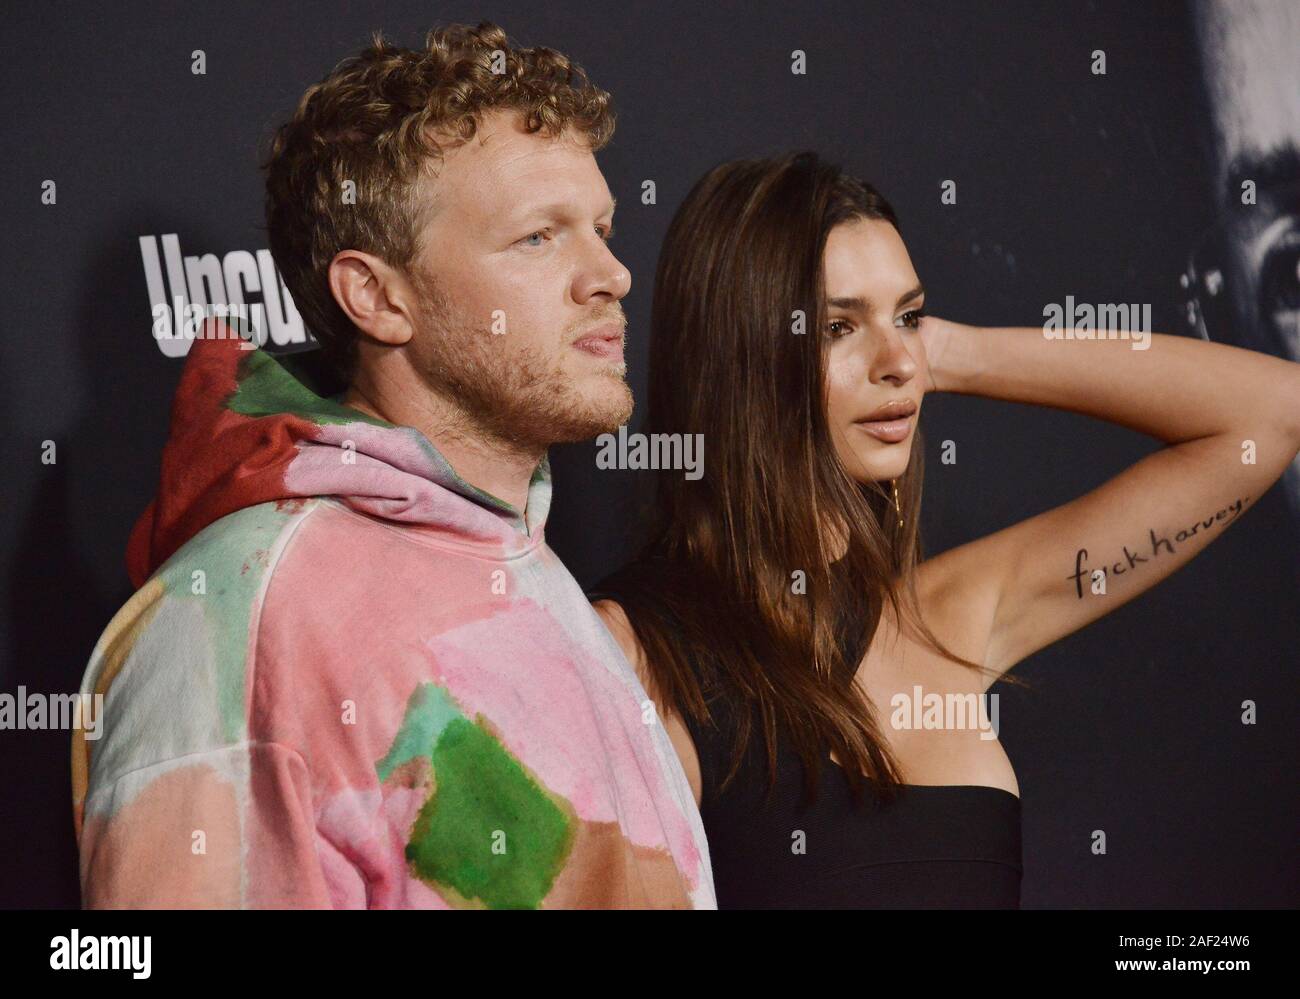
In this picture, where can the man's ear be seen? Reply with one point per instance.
(373, 295)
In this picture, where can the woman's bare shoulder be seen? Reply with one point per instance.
(956, 602)
(615, 618)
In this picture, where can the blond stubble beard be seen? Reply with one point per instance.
(508, 391)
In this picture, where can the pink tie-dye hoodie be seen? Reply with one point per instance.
(350, 679)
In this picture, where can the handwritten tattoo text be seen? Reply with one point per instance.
(1158, 545)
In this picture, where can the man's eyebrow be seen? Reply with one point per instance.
(559, 209)
(858, 304)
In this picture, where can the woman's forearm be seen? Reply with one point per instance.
(1177, 389)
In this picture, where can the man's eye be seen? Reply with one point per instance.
(539, 234)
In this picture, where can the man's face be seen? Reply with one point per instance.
(521, 323)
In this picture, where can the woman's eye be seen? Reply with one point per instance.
(838, 328)
(912, 318)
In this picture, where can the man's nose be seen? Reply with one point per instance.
(603, 274)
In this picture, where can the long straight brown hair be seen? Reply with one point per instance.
(741, 571)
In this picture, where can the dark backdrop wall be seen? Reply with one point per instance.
(1069, 183)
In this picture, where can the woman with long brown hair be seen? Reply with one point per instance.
(822, 682)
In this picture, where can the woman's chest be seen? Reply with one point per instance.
(939, 725)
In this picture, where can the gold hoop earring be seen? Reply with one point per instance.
(897, 509)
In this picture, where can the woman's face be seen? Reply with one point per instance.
(875, 356)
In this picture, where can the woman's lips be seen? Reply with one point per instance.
(889, 431)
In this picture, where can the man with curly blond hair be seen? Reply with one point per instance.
(353, 674)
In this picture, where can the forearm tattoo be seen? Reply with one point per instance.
(1158, 545)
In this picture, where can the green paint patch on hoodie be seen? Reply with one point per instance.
(265, 388)
(489, 832)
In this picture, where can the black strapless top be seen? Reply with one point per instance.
(936, 846)
(950, 846)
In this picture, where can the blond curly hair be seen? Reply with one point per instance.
(373, 121)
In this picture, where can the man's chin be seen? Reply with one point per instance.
(597, 411)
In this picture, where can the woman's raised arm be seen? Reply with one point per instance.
(1230, 418)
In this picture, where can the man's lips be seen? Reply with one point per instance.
(604, 341)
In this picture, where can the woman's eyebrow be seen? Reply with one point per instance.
(862, 305)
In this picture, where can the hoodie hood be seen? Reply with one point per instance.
(245, 430)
